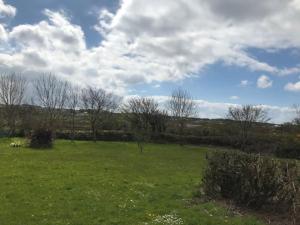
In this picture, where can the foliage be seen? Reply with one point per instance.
(288, 149)
(254, 181)
(100, 136)
(223, 141)
(41, 138)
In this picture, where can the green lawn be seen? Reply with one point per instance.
(85, 183)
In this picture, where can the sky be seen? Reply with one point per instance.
(224, 52)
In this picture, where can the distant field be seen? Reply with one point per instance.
(85, 183)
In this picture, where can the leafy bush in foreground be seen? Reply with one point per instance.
(41, 138)
(254, 181)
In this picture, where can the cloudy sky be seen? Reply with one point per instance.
(223, 51)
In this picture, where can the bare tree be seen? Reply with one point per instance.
(246, 116)
(12, 94)
(51, 93)
(98, 104)
(145, 118)
(73, 104)
(181, 107)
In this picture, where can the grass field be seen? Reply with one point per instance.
(85, 183)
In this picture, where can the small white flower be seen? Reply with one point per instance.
(168, 219)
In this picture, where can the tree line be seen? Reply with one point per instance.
(42, 103)
(51, 96)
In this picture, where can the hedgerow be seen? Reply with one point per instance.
(261, 183)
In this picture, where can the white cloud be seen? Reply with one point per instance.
(234, 97)
(198, 33)
(244, 83)
(264, 82)
(6, 10)
(104, 18)
(3, 34)
(152, 41)
(247, 10)
(295, 87)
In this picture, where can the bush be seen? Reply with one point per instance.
(289, 149)
(281, 146)
(253, 181)
(41, 138)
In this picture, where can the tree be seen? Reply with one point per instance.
(181, 107)
(145, 118)
(98, 104)
(12, 94)
(246, 116)
(51, 94)
(73, 103)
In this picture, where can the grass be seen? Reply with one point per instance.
(85, 183)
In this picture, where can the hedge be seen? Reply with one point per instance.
(261, 183)
(100, 136)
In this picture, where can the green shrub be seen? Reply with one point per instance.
(288, 149)
(41, 138)
(253, 181)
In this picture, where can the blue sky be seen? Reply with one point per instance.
(223, 52)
